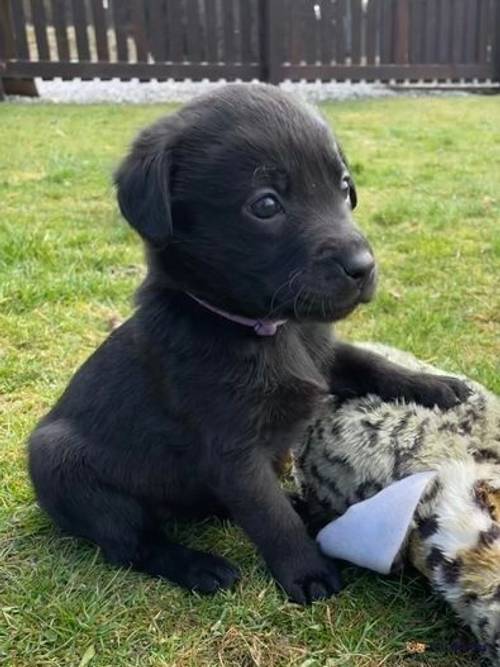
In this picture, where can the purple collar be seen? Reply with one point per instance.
(261, 327)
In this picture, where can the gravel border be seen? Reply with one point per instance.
(154, 92)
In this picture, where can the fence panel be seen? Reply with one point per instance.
(369, 40)
(399, 40)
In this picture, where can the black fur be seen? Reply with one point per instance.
(183, 413)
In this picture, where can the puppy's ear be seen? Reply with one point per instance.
(143, 187)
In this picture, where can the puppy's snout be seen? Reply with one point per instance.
(355, 261)
(349, 268)
(358, 265)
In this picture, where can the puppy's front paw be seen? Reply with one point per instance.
(307, 580)
(439, 390)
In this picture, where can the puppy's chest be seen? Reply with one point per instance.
(286, 405)
(290, 388)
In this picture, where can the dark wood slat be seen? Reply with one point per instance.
(402, 32)
(40, 23)
(431, 32)
(340, 42)
(356, 30)
(309, 34)
(422, 48)
(386, 31)
(285, 31)
(213, 55)
(263, 27)
(139, 30)
(387, 72)
(276, 37)
(412, 41)
(19, 22)
(100, 30)
(119, 20)
(80, 22)
(483, 30)
(157, 29)
(495, 20)
(296, 49)
(417, 31)
(193, 32)
(327, 31)
(471, 27)
(60, 27)
(270, 24)
(7, 45)
(445, 31)
(228, 29)
(246, 30)
(126, 71)
(372, 24)
(458, 31)
(175, 20)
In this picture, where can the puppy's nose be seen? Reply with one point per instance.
(358, 265)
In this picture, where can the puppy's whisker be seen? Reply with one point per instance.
(289, 283)
(296, 302)
(272, 308)
(310, 306)
(295, 275)
(323, 309)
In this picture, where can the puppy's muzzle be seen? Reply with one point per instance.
(354, 263)
(359, 265)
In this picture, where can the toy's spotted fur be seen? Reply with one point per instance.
(356, 448)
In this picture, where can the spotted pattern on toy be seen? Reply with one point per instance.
(354, 449)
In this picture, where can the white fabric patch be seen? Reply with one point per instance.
(371, 533)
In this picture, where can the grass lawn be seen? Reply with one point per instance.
(428, 173)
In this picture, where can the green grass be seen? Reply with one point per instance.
(427, 173)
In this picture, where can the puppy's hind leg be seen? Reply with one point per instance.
(127, 532)
(147, 549)
(196, 570)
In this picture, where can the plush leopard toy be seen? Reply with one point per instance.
(363, 448)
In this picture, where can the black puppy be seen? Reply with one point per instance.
(243, 199)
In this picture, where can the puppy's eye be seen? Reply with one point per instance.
(346, 188)
(266, 207)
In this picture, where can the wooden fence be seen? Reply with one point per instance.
(270, 40)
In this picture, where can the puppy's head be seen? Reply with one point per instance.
(245, 199)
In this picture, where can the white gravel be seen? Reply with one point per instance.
(135, 92)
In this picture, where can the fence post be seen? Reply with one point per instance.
(8, 50)
(496, 43)
(270, 18)
(5, 39)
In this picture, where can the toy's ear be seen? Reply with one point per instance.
(143, 187)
